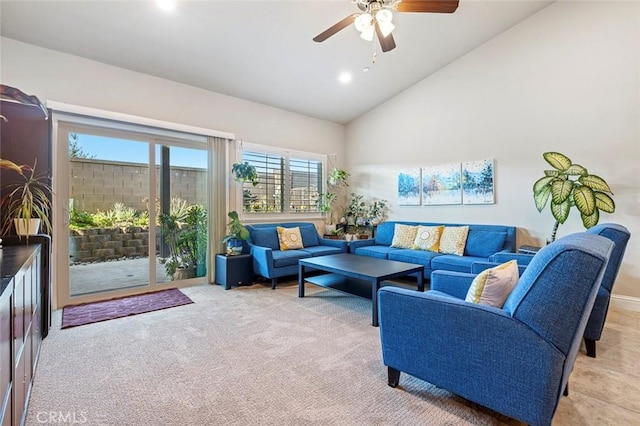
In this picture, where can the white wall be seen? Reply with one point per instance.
(566, 79)
(51, 75)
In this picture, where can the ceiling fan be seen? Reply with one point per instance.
(375, 17)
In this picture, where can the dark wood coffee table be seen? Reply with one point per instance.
(357, 275)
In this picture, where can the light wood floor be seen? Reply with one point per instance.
(606, 390)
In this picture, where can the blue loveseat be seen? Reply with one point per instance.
(271, 262)
(483, 241)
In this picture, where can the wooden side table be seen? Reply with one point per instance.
(234, 270)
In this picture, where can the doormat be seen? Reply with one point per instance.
(73, 316)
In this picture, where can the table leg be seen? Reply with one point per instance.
(300, 280)
(421, 281)
(375, 286)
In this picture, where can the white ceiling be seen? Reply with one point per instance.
(263, 50)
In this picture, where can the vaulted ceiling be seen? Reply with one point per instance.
(263, 51)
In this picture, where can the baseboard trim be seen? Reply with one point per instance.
(626, 303)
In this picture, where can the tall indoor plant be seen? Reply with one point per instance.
(570, 185)
(27, 202)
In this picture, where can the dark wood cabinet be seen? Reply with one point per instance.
(20, 327)
(6, 354)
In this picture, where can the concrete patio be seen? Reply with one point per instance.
(112, 275)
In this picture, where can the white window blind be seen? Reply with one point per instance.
(286, 184)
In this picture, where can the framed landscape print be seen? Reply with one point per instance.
(477, 182)
(441, 185)
(409, 187)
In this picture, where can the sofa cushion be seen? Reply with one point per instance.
(309, 235)
(265, 237)
(493, 286)
(377, 251)
(428, 238)
(453, 240)
(322, 250)
(288, 257)
(384, 233)
(484, 243)
(452, 262)
(420, 257)
(403, 236)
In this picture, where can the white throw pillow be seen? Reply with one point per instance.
(493, 286)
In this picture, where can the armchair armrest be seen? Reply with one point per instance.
(502, 257)
(477, 267)
(341, 244)
(454, 284)
(463, 348)
(262, 260)
(356, 244)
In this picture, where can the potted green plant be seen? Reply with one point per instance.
(26, 204)
(182, 243)
(376, 212)
(196, 222)
(570, 185)
(325, 201)
(338, 177)
(355, 209)
(245, 172)
(236, 234)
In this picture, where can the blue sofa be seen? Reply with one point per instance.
(271, 262)
(515, 360)
(483, 242)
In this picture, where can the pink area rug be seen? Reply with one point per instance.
(73, 316)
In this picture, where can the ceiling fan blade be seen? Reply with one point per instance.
(335, 28)
(386, 43)
(433, 6)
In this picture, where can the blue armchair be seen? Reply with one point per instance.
(616, 233)
(515, 360)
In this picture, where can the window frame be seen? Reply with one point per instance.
(287, 155)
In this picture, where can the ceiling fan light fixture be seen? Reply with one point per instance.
(386, 28)
(363, 22)
(367, 34)
(384, 15)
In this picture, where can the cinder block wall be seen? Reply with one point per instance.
(101, 244)
(98, 184)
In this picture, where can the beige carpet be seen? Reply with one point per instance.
(246, 356)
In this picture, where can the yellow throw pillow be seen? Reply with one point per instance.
(403, 236)
(453, 240)
(428, 238)
(493, 286)
(290, 238)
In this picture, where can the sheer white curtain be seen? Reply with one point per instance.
(217, 198)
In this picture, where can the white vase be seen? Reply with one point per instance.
(329, 229)
(27, 226)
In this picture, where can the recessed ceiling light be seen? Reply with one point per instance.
(345, 77)
(166, 4)
(365, 69)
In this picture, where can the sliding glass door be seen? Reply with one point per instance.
(132, 213)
